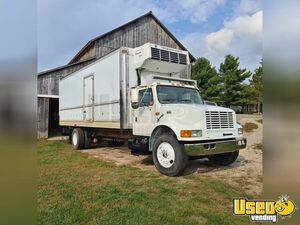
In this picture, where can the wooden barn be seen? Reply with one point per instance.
(146, 28)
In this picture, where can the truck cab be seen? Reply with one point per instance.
(172, 119)
(144, 96)
(181, 108)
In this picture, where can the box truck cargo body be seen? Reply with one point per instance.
(145, 96)
(99, 95)
(96, 96)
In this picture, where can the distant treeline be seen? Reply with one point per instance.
(228, 86)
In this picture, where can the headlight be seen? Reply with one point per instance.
(190, 133)
(240, 130)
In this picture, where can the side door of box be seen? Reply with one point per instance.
(88, 98)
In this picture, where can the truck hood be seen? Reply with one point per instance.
(181, 108)
(190, 115)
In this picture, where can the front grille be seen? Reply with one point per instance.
(167, 56)
(218, 120)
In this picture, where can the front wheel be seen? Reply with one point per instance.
(169, 156)
(224, 159)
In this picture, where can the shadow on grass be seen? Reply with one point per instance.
(147, 161)
(205, 166)
(105, 144)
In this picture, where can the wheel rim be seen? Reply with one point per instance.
(75, 139)
(165, 155)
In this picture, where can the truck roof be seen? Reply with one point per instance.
(167, 84)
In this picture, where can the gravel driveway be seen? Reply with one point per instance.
(246, 172)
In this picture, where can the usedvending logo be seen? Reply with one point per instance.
(264, 211)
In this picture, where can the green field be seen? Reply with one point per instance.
(76, 189)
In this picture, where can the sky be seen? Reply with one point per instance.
(207, 28)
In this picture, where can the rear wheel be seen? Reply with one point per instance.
(78, 138)
(224, 159)
(169, 156)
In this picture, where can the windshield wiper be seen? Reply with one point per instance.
(186, 101)
(168, 100)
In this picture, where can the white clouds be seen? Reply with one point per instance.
(247, 25)
(248, 7)
(220, 40)
(198, 11)
(195, 11)
(241, 37)
(243, 29)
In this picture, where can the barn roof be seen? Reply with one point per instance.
(66, 66)
(91, 42)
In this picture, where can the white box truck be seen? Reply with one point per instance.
(144, 96)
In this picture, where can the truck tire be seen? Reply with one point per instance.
(224, 159)
(78, 138)
(169, 156)
(87, 139)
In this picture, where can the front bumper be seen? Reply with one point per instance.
(212, 148)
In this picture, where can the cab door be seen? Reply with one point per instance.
(143, 122)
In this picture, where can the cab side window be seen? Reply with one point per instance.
(145, 97)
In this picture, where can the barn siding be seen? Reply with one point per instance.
(88, 53)
(159, 36)
(43, 117)
(48, 84)
(133, 35)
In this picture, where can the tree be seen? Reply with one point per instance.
(257, 86)
(248, 94)
(207, 80)
(232, 78)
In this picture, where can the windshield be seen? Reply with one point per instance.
(178, 95)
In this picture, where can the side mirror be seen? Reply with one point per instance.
(210, 103)
(134, 98)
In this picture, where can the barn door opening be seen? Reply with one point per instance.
(53, 123)
(88, 98)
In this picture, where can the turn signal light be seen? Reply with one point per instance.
(190, 133)
(185, 133)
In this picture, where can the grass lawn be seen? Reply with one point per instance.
(76, 189)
